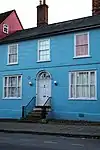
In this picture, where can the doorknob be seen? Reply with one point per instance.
(44, 96)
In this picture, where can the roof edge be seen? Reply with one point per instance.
(49, 34)
(18, 18)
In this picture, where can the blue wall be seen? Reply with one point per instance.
(62, 62)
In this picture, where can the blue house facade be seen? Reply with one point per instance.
(59, 61)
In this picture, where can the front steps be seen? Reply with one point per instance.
(37, 114)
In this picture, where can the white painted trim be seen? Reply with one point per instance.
(17, 84)
(43, 61)
(83, 98)
(83, 56)
(96, 84)
(69, 84)
(11, 98)
(15, 63)
(37, 75)
(38, 51)
(7, 26)
(88, 43)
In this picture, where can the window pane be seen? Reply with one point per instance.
(9, 92)
(13, 49)
(92, 78)
(5, 81)
(19, 81)
(85, 91)
(85, 78)
(82, 39)
(85, 39)
(79, 76)
(47, 57)
(6, 30)
(78, 39)
(13, 92)
(5, 91)
(12, 81)
(82, 91)
(41, 57)
(72, 78)
(78, 91)
(72, 91)
(92, 91)
(12, 58)
(19, 92)
(82, 50)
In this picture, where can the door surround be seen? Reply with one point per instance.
(37, 83)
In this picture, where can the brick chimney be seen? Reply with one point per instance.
(95, 7)
(42, 13)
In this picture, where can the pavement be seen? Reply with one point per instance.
(87, 131)
(9, 141)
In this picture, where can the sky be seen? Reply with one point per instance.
(59, 10)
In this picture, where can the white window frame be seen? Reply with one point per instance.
(7, 27)
(81, 56)
(14, 63)
(83, 98)
(38, 60)
(17, 83)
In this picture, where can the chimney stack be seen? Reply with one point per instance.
(95, 7)
(42, 13)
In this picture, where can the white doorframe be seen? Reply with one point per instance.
(37, 76)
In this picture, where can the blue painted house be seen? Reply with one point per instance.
(53, 64)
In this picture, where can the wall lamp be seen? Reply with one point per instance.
(30, 83)
(55, 82)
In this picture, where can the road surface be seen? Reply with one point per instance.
(13, 141)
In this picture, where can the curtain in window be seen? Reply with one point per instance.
(82, 45)
(12, 86)
(83, 84)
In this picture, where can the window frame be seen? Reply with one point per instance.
(82, 98)
(38, 60)
(7, 26)
(8, 76)
(14, 63)
(81, 56)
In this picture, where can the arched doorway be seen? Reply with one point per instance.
(43, 88)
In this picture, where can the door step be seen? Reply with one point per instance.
(37, 114)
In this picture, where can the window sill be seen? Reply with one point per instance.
(12, 98)
(40, 61)
(76, 57)
(12, 64)
(83, 99)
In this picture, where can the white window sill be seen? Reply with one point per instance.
(12, 98)
(85, 56)
(40, 61)
(84, 99)
(12, 64)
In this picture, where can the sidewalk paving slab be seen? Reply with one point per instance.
(51, 129)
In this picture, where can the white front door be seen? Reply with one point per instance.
(43, 88)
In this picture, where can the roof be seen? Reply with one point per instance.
(89, 22)
(4, 15)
